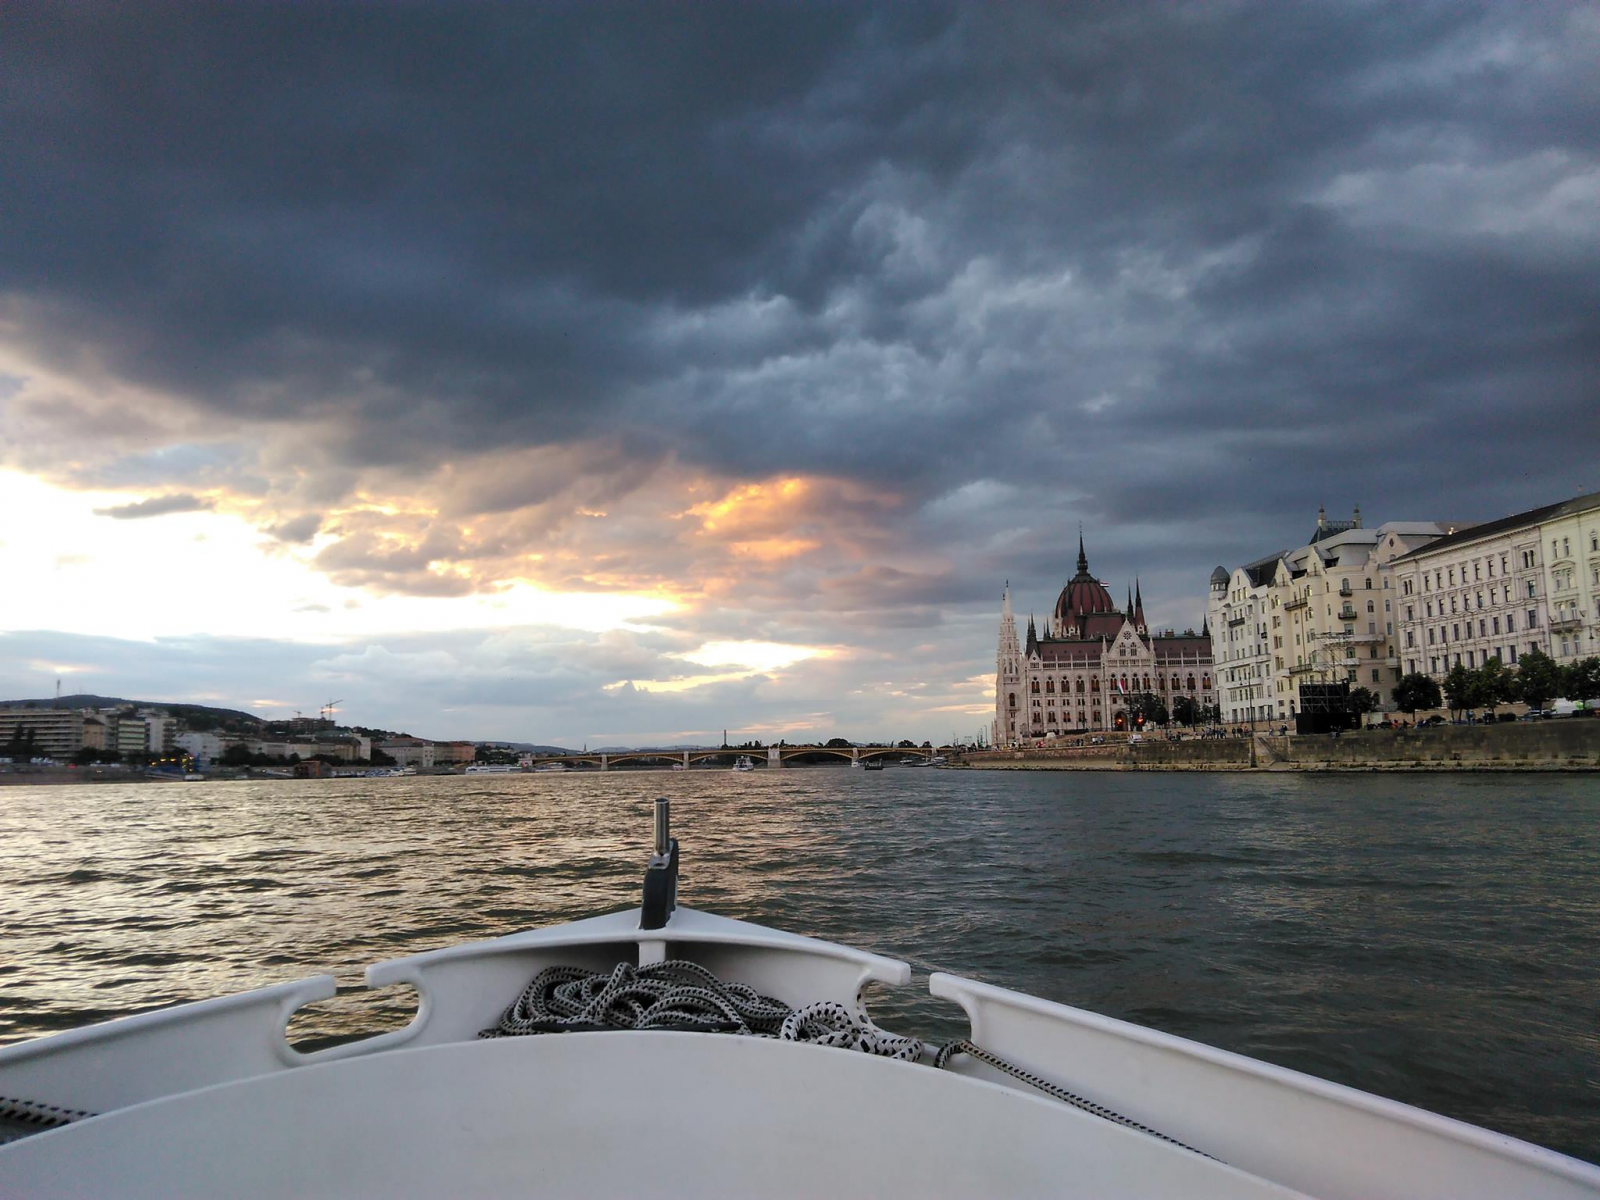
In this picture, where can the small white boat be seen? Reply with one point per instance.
(491, 769)
(1037, 1099)
(744, 764)
(680, 766)
(551, 768)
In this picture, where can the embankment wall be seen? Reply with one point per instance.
(1559, 745)
(1572, 744)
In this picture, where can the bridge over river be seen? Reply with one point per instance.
(772, 756)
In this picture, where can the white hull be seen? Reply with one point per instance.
(210, 1096)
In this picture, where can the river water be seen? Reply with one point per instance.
(1431, 938)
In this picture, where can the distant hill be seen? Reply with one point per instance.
(196, 716)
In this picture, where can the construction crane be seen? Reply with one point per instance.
(327, 709)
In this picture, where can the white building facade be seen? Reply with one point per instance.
(1326, 612)
(1530, 581)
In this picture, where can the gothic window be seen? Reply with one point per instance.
(1094, 684)
(1191, 683)
(1050, 686)
(1080, 687)
(1035, 688)
(1205, 682)
(1013, 699)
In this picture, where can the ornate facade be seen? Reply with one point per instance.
(1091, 660)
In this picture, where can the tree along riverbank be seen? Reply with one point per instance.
(1559, 745)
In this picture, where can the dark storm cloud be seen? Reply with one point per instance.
(156, 506)
(1179, 272)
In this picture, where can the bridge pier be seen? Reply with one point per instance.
(774, 757)
(855, 755)
(605, 762)
(685, 760)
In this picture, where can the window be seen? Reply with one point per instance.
(1430, 635)
(1455, 636)
(1374, 674)
(1410, 613)
(1369, 583)
(1430, 608)
(1491, 568)
(1035, 687)
(1531, 590)
(1469, 658)
(1477, 570)
(1370, 607)
(1080, 687)
(1012, 697)
(1411, 639)
(1483, 630)
(1511, 623)
(1533, 619)
(1497, 624)
(1386, 607)
(1513, 651)
(1050, 687)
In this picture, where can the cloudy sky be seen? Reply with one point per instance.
(611, 374)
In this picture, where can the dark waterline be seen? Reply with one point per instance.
(1435, 939)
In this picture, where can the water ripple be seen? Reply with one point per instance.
(1434, 939)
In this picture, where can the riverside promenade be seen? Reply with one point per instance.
(1559, 745)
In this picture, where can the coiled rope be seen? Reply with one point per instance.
(684, 995)
(680, 995)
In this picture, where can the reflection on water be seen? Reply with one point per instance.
(1434, 939)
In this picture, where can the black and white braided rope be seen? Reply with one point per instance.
(1055, 1091)
(18, 1118)
(684, 995)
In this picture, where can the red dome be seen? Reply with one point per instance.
(1084, 594)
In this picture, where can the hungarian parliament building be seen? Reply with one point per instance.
(1081, 673)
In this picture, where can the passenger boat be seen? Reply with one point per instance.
(613, 1098)
(550, 768)
(744, 764)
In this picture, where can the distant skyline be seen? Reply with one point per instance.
(618, 374)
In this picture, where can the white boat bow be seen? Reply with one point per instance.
(211, 1097)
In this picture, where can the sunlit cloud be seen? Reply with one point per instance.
(751, 656)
